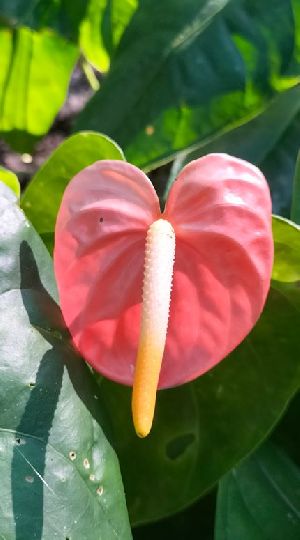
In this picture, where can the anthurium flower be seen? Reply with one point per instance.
(156, 299)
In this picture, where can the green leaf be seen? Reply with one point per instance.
(212, 67)
(195, 522)
(96, 25)
(260, 499)
(42, 197)
(279, 168)
(270, 141)
(11, 180)
(64, 16)
(287, 434)
(204, 428)
(48, 239)
(102, 28)
(59, 475)
(295, 211)
(35, 68)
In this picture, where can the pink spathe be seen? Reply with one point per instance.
(220, 210)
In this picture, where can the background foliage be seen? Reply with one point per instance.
(170, 81)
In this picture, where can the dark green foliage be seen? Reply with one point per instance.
(59, 475)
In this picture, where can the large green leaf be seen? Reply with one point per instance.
(43, 195)
(203, 428)
(195, 522)
(287, 433)
(279, 167)
(11, 180)
(35, 68)
(59, 475)
(96, 25)
(295, 210)
(270, 141)
(102, 28)
(260, 499)
(62, 15)
(211, 67)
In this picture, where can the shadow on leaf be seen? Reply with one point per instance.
(49, 381)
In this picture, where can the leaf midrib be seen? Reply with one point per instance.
(169, 50)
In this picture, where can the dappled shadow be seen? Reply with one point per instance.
(28, 463)
(33, 431)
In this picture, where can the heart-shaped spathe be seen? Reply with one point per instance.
(220, 210)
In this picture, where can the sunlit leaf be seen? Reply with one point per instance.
(11, 180)
(102, 28)
(213, 66)
(35, 68)
(59, 475)
(270, 140)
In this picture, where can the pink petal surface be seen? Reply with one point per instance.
(99, 258)
(220, 209)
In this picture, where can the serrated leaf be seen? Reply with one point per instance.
(59, 475)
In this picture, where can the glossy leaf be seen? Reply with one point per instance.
(259, 499)
(102, 28)
(59, 475)
(196, 521)
(43, 195)
(203, 428)
(287, 435)
(295, 210)
(176, 90)
(96, 25)
(280, 165)
(35, 68)
(11, 180)
(270, 141)
(64, 16)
